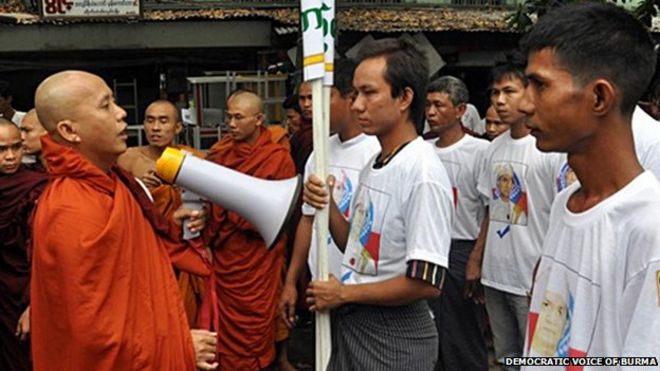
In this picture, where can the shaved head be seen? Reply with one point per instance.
(78, 109)
(248, 98)
(31, 132)
(10, 147)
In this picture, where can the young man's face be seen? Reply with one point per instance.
(31, 132)
(506, 95)
(494, 125)
(243, 119)
(10, 149)
(293, 119)
(340, 110)
(375, 108)
(557, 107)
(441, 112)
(161, 124)
(305, 100)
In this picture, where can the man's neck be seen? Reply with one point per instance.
(402, 133)
(615, 167)
(519, 129)
(450, 136)
(154, 152)
(349, 131)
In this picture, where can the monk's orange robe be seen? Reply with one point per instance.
(104, 295)
(167, 200)
(248, 276)
(280, 136)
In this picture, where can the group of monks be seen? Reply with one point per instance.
(92, 254)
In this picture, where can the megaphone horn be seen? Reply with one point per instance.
(266, 204)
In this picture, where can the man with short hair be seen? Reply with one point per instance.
(494, 125)
(397, 243)
(31, 132)
(19, 190)
(248, 274)
(349, 150)
(457, 318)
(293, 114)
(6, 109)
(103, 292)
(597, 286)
(519, 182)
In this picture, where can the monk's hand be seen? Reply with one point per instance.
(195, 219)
(316, 194)
(323, 295)
(23, 327)
(287, 305)
(150, 179)
(204, 343)
(473, 288)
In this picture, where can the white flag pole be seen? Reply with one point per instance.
(315, 24)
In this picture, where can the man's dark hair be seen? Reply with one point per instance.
(406, 67)
(452, 86)
(5, 89)
(512, 68)
(343, 76)
(597, 40)
(291, 102)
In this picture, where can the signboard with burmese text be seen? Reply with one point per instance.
(69, 9)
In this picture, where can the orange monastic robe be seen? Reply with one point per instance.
(248, 276)
(104, 295)
(167, 199)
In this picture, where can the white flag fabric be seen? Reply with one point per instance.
(311, 21)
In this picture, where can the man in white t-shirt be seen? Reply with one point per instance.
(397, 242)
(597, 286)
(6, 109)
(458, 318)
(349, 152)
(518, 180)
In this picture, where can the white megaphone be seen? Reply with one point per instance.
(267, 204)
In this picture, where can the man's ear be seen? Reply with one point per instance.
(260, 119)
(178, 127)
(67, 130)
(603, 97)
(460, 110)
(406, 98)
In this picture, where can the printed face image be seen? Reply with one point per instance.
(504, 184)
(550, 326)
(509, 203)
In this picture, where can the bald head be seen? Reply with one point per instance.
(31, 132)
(78, 109)
(161, 123)
(10, 147)
(247, 98)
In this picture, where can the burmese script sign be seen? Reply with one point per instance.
(90, 8)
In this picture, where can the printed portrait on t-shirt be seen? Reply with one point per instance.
(343, 193)
(509, 202)
(551, 324)
(363, 246)
(566, 177)
(454, 172)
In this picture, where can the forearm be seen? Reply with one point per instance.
(399, 290)
(300, 252)
(480, 245)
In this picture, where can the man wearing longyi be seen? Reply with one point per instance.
(103, 294)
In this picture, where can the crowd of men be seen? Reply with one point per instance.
(541, 227)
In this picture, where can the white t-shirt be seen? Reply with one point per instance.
(345, 162)
(17, 118)
(472, 121)
(597, 288)
(519, 181)
(646, 134)
(463, 161)
(401, 212)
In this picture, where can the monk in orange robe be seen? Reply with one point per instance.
(19, 190)
(161, 125)
(248, 275)
(103, 292)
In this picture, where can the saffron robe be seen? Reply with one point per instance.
(248, 276)
(104, 295)
(167, 199)
(18, 194)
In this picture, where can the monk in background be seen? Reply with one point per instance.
(31, 132)
(19, 190)
(162, 124)
(103, 292)
(248, 275)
